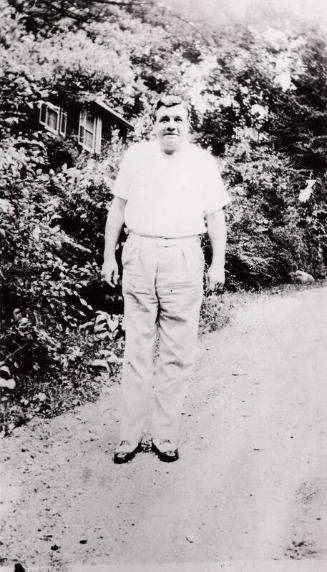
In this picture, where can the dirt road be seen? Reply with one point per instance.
(248, 494)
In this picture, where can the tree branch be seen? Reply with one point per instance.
(15, 352)
(82, 13)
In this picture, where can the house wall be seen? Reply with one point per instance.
(109, 126)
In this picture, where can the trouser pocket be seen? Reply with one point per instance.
(129, 253)
(193, 259)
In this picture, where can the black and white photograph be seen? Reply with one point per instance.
(163, 286)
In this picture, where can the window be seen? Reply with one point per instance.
(53, 118)
(89, 133)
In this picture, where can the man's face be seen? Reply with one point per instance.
(171, 127)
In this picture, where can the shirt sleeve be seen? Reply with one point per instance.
(215, 194)
(122, 183)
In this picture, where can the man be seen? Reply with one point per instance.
(165, 191)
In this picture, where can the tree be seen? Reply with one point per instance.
(43, 15)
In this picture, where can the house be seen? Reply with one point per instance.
(90, 121)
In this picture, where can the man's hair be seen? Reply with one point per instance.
(169, 101)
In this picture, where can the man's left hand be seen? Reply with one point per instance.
(215, 278)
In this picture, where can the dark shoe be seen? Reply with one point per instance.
(125, 452)
(165, 450)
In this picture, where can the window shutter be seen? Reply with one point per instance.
(43, 113)
(63, 123)
(98, 135)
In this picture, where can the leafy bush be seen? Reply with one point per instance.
(52, 240)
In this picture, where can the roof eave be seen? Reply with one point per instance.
(103, 105)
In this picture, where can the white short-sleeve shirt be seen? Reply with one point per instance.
(169, 195)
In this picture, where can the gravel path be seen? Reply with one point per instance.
(248, 494)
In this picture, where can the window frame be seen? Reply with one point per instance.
(84, 117)
(61, 118)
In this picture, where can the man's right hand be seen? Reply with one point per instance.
(109, 272)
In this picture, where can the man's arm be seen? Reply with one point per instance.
(114, 224)
(217, 234)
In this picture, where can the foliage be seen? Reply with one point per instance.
(43, 15)
(49, 261)
(266, 115)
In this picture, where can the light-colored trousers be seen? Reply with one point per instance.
(162, 289)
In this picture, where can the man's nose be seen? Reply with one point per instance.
(171, 125)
